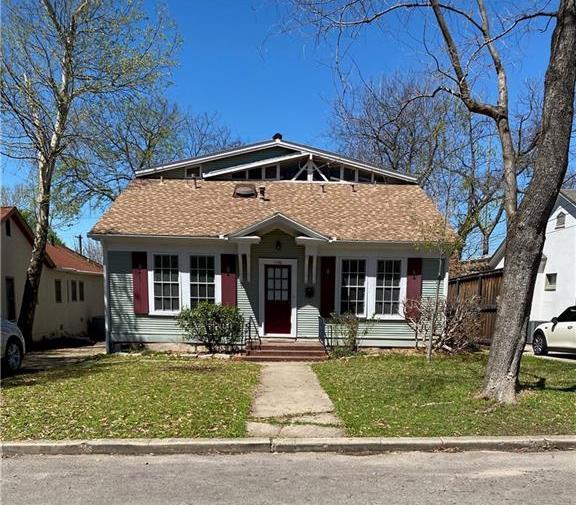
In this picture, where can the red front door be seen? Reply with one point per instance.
(278, 308)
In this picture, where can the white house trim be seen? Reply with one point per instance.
(255, 164)
(183, 277)
(275, 222)
(262, 262)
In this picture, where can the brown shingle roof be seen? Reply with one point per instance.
(373, 212)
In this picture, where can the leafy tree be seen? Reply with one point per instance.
(60, 62)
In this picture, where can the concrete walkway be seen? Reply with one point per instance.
(290, 402)
(43, 360)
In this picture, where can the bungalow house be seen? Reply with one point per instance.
(71, 287)
(288, 233)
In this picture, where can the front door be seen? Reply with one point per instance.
(278, 309)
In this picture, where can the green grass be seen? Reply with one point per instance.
(401, 395)
(130, 396)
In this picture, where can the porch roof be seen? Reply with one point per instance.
(338, 211)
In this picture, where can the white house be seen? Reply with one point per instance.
(71, 287)
(555, 287)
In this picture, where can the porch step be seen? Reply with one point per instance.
(280, 357)
(284, 351)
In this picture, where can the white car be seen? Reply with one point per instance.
(13, 346)
(558, 335)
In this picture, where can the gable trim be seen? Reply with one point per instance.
(298, 148)
(277, 219)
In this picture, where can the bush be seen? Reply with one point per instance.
(345, 337)
(456, 324)
(216, 326)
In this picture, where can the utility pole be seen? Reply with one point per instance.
(79, 237)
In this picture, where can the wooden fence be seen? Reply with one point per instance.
(486, 286)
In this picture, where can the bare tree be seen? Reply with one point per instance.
(92, 249)
(469, 41)
(426, 138)
(58, 60)
(124, 136)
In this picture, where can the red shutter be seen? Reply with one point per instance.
(228, 276)
(413, 285)
(327, 285)
(140, 282)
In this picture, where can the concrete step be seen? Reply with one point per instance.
(281, 357)
(287, 352)
(285, 347)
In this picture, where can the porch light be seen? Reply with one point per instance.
(278, 245)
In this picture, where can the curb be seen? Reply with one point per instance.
(358, 446)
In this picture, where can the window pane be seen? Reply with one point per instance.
(202, 279)
(353, 279)
(388, 286)
(166, 282)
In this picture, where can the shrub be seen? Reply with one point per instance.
(457, 324)
(345, 329)
(216, 326)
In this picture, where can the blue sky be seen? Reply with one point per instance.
(236, 61)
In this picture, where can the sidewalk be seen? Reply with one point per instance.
(289, 403)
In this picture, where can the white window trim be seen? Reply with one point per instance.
(199, 167)
(183, 278)
(277, 165)
(547, 285)
(339, 282)
(370, 286)
(262, 262)
(402, 295)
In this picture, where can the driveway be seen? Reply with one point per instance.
(472, 478)
(554, 356)
(43, 360)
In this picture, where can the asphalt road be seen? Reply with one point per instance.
(408, 478)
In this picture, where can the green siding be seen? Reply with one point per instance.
(430, 277)
(230, 161)
(125, 326)
(248, 301)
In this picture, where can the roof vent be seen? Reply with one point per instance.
(277, 136)
(244, 191)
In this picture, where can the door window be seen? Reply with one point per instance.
(277, 284)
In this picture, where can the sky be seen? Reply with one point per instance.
(239, 62)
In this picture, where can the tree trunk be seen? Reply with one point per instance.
(34, 271)
(526, 231)
(485, 245)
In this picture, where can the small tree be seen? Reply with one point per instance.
(215, 326)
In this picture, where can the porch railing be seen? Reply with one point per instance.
(251, 333)
(325, 333)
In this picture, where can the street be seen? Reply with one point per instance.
(414, 478)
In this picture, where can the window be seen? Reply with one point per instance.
(364, 176)
(550, 284)
(561, 220)
(569, 315)
(8, 228)
(388, 287)
(255, 173)
(81, 290)
(202, 274)
(349, 175)
(271, 172)
(193, 172)
(58, 290)
(352, 286)
(239, 175)
(10, 298)
(73, 291)
(166, 283)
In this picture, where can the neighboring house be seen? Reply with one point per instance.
(286, 232)
(555, 287)
(71, 287)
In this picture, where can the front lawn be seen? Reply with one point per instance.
(401, 395)
(130, 396)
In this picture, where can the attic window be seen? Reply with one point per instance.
(245, 191)
(560, 220)
(193, 172)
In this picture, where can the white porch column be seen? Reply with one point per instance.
(310, 255)
(244, 250)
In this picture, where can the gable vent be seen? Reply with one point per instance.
(244, 191)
